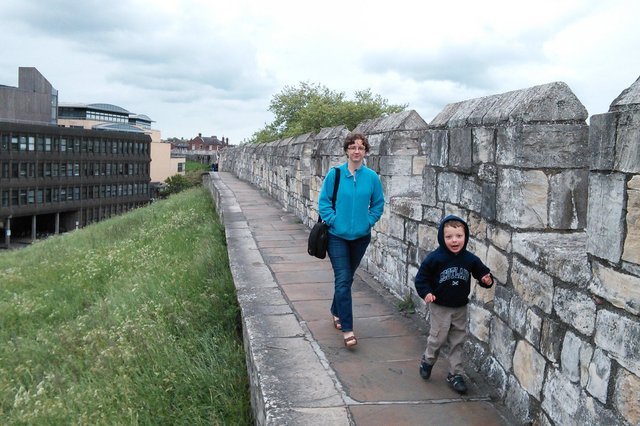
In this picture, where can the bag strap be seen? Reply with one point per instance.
(335, 191)
(335, 188)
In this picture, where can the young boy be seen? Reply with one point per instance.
(444, 281)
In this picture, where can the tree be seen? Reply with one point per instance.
(311, 107)
(175, 184)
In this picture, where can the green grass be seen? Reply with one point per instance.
(133, 320)
(194, 166)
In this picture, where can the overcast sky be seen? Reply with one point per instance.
(212, 67)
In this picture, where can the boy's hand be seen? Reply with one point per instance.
(429, 298)
(487, 280)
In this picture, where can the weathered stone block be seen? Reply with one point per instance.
(533, 332)
(471, 195)
(410, 208)
(429, 187)
(449, 187)
(428, 237)
(602, 131)
(418, 163)
(631, 251)
(479, 322)
(599, 372)
(528, 367)
(433, 214)
(502, 342)
(628, 142)
(627, 395)
(435, 145)
(568, 199)
(535, 287)
(574, 350)
(500, 237)
(460, 150)
(620, 289)
(402, 186)
(560, 255)
(402, 143)
(496, 376)
(488, 173)
(551, 340)
(411, 232)
(620, 337)
(477, 227)
(502, 301)
(518, 315)
(396, 165)
(498, 263)
(562, 398)
(522, 198)
(518, 401)
(394, 226)
(575, 309)
(593, 413)
(605, 225)
(484, 146)
(544, 146)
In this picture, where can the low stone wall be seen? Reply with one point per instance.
(554, 209)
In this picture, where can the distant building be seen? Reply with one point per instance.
(60, 173)
(202, 149)
(113, 117)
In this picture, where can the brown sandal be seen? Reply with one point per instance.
(350, 341)
(336, 323)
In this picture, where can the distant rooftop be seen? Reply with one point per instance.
(97, 107)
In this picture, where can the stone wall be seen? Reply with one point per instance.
(553, 206)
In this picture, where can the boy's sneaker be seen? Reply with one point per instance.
(457, 383)
(425, 369)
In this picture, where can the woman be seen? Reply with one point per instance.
(359, 205)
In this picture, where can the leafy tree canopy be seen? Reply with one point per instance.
(311, 107)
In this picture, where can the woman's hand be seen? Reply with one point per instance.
(429, 298)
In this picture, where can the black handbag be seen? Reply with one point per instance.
(319, 235)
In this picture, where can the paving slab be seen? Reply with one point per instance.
(300, 371)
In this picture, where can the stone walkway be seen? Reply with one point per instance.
(301, 373)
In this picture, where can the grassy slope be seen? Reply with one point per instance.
(129, 321)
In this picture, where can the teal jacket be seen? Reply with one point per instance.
(359, 204)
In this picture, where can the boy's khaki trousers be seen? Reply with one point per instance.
(447, 325)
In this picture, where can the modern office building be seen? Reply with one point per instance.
(116, 118)
(55, 178)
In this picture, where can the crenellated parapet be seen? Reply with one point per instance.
(553, 205)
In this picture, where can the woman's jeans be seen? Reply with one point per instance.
(345, 257)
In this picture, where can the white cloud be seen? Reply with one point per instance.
(212, 67)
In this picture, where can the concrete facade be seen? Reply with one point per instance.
(553, 208)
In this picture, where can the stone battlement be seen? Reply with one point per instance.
(553, 206)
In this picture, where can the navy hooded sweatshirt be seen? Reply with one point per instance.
(447, 275)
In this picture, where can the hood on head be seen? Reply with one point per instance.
(441, 231)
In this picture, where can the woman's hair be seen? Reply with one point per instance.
(352, 138)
